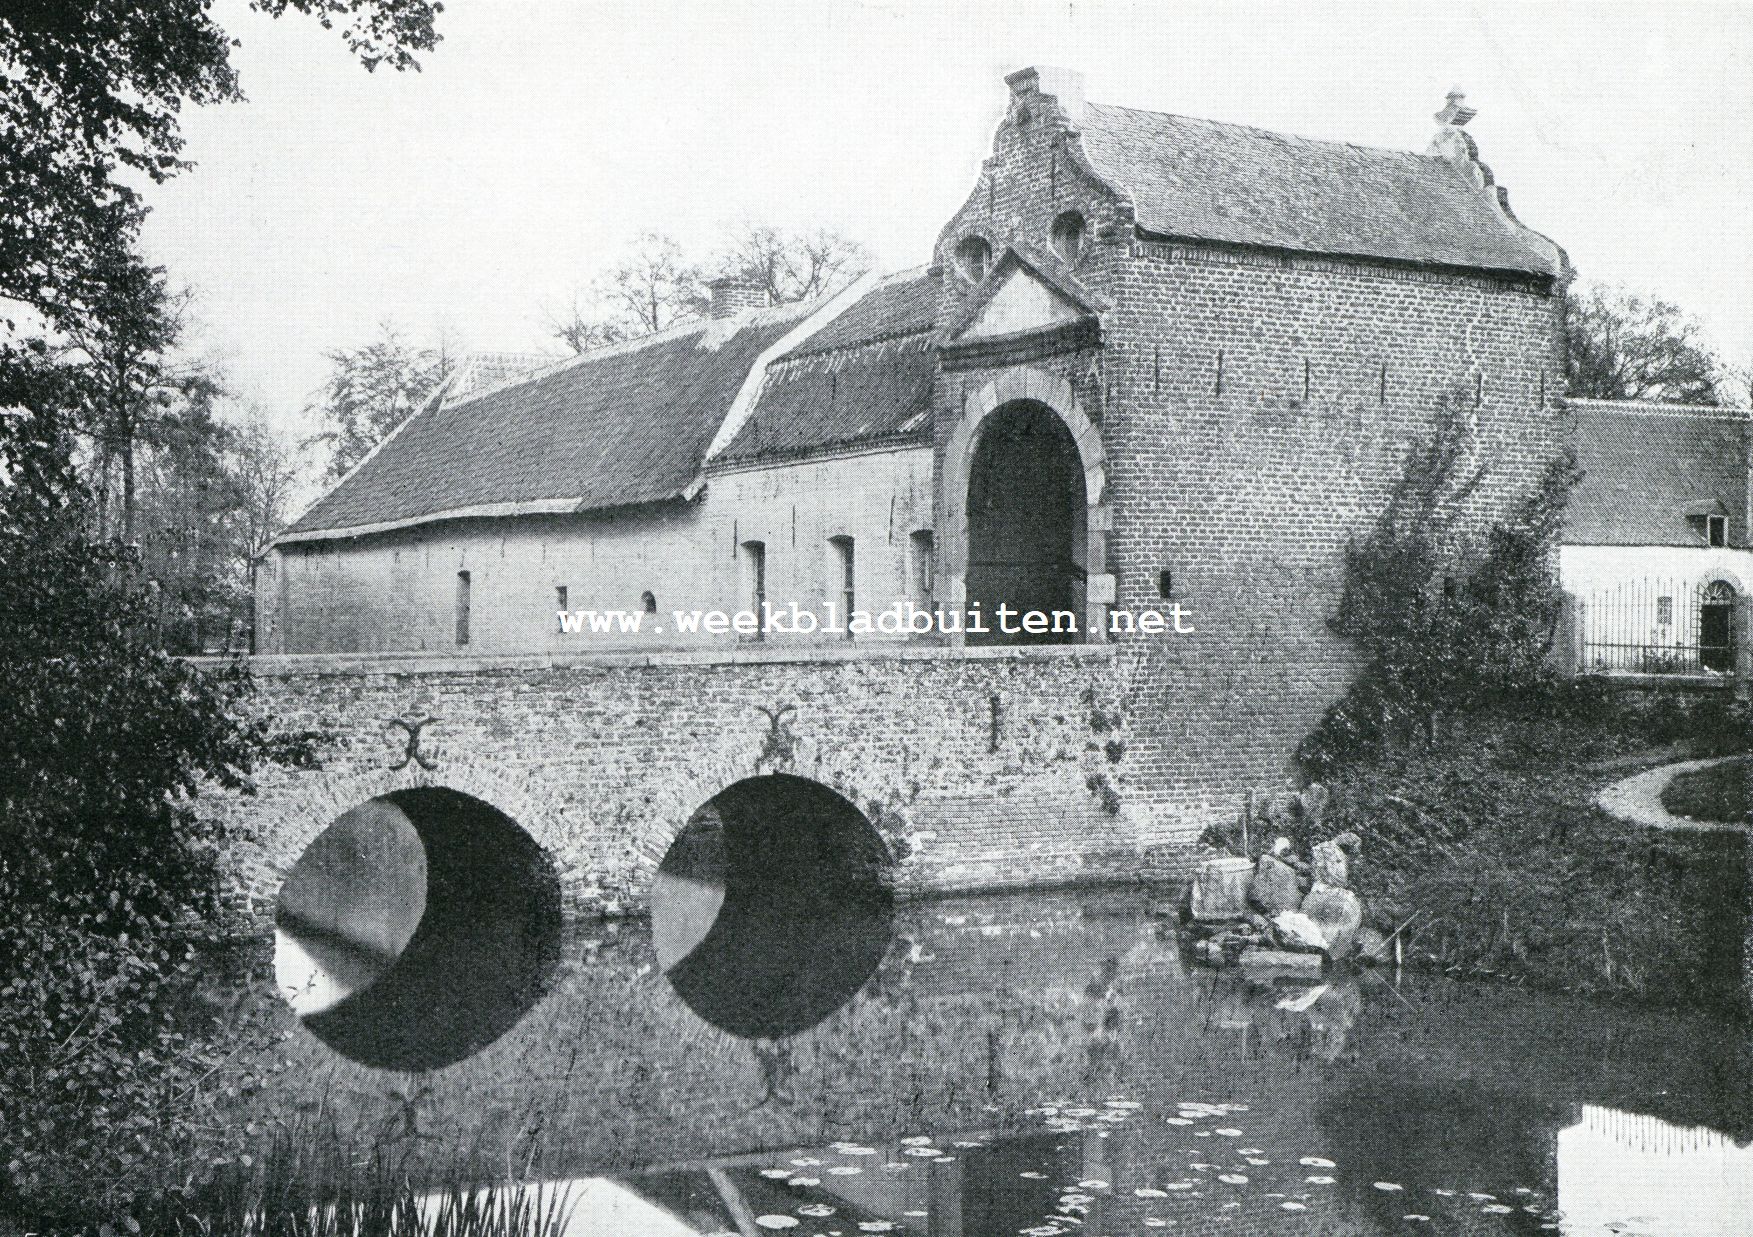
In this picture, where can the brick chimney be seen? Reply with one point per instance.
(1044, 81)
(731, 294)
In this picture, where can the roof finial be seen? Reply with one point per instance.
(1456, 112)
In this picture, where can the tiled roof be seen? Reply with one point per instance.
(481, 371)
(904, 303)
(1647, 467)
(1202, 180)
(625, 424)
(866, 375)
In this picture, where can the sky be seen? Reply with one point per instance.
(543, 136)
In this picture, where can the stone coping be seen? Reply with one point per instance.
(301, 665)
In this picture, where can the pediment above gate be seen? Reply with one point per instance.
(1023, 304)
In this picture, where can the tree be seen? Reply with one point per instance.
(265, 465)
(792, 266)
(1619, 345)
(655, 284)
(137, 381)
(371, 390)
(93, 97)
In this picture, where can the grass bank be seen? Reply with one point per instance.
(1722, 793)
(1486, 845)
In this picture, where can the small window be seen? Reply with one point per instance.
(754, 559)
(560, 606)
(1664, 611)
(462, 608)
(847, 570)
(974, 257)
(1716, 529)
(648, 603)
(1068, 237)
(924, 555)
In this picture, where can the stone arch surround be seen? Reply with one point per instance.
(974, 766)
(1027, 383)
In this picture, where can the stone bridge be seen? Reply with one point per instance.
(978, 768)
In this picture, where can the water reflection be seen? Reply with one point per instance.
(770, 910)
(1049, 1064)
(1632, 1173)
(417, 929)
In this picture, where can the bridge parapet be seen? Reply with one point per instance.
(981, 768)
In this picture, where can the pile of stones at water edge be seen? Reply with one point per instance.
(1280, 915)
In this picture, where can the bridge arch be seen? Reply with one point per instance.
(286, 819)
(422, 898)
(773, 906)
(993, 406)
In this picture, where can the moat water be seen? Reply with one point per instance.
(1037, 1064)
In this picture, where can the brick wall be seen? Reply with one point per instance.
(980, 769)
(1254, 409)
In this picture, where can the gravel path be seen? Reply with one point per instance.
(1638, 800)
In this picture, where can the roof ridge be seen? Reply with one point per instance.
(811, 354)
(1275, 133)
(763, 316)
(1659, 408)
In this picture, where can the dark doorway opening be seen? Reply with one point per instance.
(1716, 627)
(772, 907)
(1026, 534)
(417, 929)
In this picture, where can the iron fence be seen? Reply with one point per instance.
(1653, 625)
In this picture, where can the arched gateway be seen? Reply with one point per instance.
(1025, 480)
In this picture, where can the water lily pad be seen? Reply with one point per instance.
(1178, 1120)
(1092, 1184)
(776, 1173)
(1256, 1160)
(1034, 1176)
(815, 1210)
(1145, 1191)
(1177, 1185)
(1123, 1104)
(1319, 1179)
(806, 1162)
(1293, 1205)
(1233, 1178)
(922, 1151)
(845, 1170)
(917, 1140)
(1389, 1185)
(1497, 1209)
(1416, 1218)
(1315, 1161)
(1229, 1133)
(801, 1182)
(777, 1221)
(876, 1226)
(1245, 1151)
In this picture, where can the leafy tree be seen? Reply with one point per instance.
(371, 390)
(93, 98)
(1619, 345)
(1443, 624)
